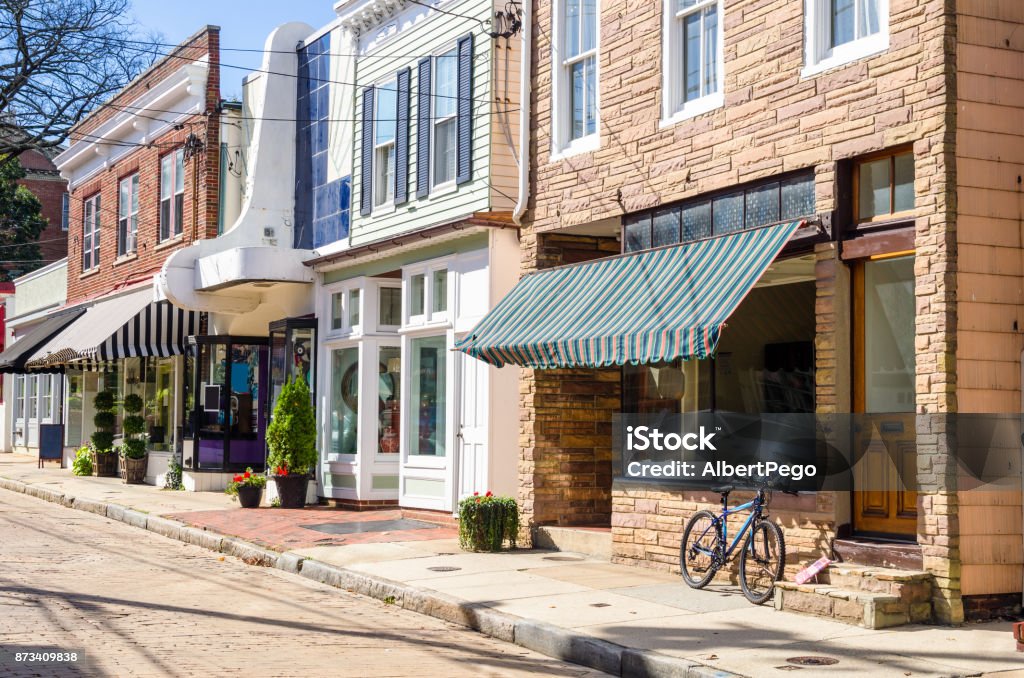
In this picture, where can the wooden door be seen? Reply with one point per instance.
(884, 500)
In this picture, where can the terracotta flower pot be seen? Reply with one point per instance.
(249, 496)
(292, 490)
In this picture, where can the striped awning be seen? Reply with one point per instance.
(647, 307)
(14, 357)
(125, 326)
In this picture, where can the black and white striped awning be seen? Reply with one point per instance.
(126, 326)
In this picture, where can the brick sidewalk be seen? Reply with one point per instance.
(284, 529)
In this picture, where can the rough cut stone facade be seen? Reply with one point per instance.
(774, 120)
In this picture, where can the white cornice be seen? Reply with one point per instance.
(361, 17)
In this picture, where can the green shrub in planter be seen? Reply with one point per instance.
(104, 401)
(102, 441)
(132, 403)
(82, 465)
(104, 420)
(291, 436)
(134, 448)
(103, 438)
(487, 522)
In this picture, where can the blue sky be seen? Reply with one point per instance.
(242, 24)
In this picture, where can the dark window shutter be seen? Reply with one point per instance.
(464, 156)
(366, 180)
(402, 138)
(423, 128)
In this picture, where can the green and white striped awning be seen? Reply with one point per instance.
(647, 307)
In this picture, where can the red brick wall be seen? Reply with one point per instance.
(201, 185)
(46, 184)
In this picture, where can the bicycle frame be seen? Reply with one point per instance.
(754, 506)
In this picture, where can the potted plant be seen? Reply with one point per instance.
(134, 458)
(247, 488)
(82, 465)
(104, 458)
(486, 523)
(291, 437)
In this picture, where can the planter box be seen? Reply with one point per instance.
(312, 498)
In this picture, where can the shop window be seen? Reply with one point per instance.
(128, 215)
(344, 424)
(840, 31)
(752, 206)
(73, 421)
(158, 398)
(390, 307)
(389, 392)
(427, 399)
(884, 186)
(694, 62)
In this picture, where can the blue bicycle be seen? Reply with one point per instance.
(705, 547)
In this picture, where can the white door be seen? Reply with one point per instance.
(471, 437)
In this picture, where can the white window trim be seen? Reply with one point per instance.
(92, 229)
(132, 235)
(347, 330)
(562, 145)
(673, 110)
(450, 185)
(818, 57)
(388, 206)
(429, 317)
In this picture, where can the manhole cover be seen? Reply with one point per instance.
(813, 661)
(444, 568)
(360, 526)
(564, 559)
(600, 605)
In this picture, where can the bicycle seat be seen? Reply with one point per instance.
(723, 489)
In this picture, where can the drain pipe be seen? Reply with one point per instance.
(525, 58)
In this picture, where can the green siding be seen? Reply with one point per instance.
(341, 481)
(423, 487)
(373, 268)
(427, 37)
(385, 482)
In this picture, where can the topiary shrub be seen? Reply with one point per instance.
(133, 447)
(103, 438)
(291, 436)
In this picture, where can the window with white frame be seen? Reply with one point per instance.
(840, 31)
(172, 194)
(337, 311)
(446, 91)
(384, 128)
(575, 59)
(427, 294)
(19, 396)
(693, 56)
(389, 307)
(128, 215)
(91, 232)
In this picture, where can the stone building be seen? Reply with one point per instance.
(884, 128)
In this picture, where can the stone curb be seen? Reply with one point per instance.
(547, 639)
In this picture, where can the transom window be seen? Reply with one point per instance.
(128, 215)
(445, 122)
(91, 232)
(884, 185)
(576, 72)
(755, 205)
(172, 194)
(840, 31)
(384, 128)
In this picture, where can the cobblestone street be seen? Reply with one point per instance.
(132, 603)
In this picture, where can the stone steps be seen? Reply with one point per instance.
(588, 541)
(872, 597)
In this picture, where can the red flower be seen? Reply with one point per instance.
(476, 494)
(281, 470)
(478, 500)
(489, 494)
(238, 479)
(247, 474)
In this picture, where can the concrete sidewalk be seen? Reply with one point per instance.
(622, 620)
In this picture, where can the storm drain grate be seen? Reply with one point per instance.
(444, 568)
(564, 559)
(600, 605)
(813, 661)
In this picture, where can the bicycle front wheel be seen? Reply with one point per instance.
(764, 557)
(698, 551)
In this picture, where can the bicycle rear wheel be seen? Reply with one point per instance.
(764, 557)
(697, 552)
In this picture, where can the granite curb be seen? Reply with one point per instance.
(547, 639)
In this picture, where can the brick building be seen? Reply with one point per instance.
(881, 126)
(45, 182)
(143, 173)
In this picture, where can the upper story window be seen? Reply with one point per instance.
(694, 68)
(172, 194)
(91, 232)
(883, 185)
(427, 293)
(65, 211)
(389, 307)
(575, 79)
(445, 122)
(751, 206)
(128, 215)
(841, 31)
(384, 127)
